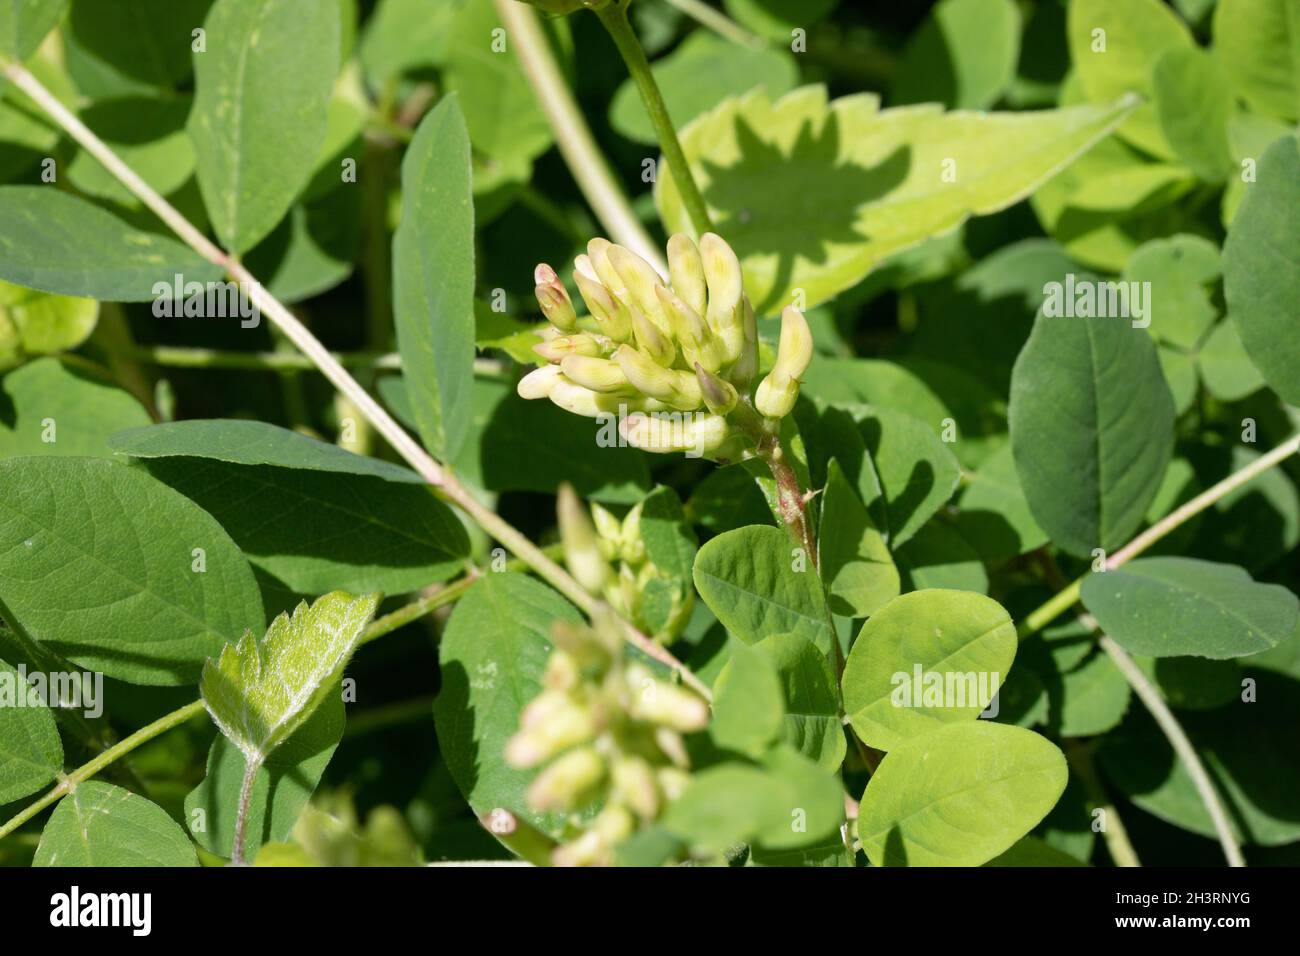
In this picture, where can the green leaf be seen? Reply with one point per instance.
(260, 110)
(926, 658)
(959, 795)
(1193, 103)
(1179, 270)
(964, 55)
(670, 542)
(31, 754)
(1196, 683)
(1261, 269)
(870, 182)
(1092, 428)
(252, 443)
(940, 556)
(492, 655)
(403, 35)
(261, 689)
(855, 561)
(774, 19)
(1225, 366)
(1259, 43)
(1114, 46)
(876, 382)
(53, 241)
(141, 41)
(100, 825)
(1171, 607)
(748, 706)
(698, 75)
(756, 584)
(37, 323)
(99, 563)
(995, 517)
(281, 788)
(1031, 851)
(812, 723)
(433, 278)
(84, 412)
(148, 135)
(24, 24)
(1093, 698)
(813, 801)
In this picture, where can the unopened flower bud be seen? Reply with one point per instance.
(693, 432)
(556, 347)
(562, 724)
(564, 784)
(633, 545)
(634, 781)
(554, 299)
(746, 367)
(581, 546)
(778, 392)
(610, 313)
(598, 256)
(726, 286)
(583, 401)
(562, 671)
(666, 704)
(719, 395)
(539, 382)
(652, 340)
(597, 374)
(679, 389)
(697, 340)
(607, 526)
(686, 271)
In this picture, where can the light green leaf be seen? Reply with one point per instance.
(84, 410)
(37, 323)
(1259, 42)
(492, 655)
(260, 110)
(813, 801)
(995, 517)
(433, 278)
(53, 241)
(1193, 103)
(855, 561)
(1261, 269)
(138, 42)
(261, 689)
(748, 706)
(24, 24)
(940, 556)
(874, 382)
(1092, 429)
(698, 75)
(403, 35)
(99, 563)
(148, 135)
(1114, 45)
(252, 443)
(812, 700)
(959, 795)
(101, 825)
(964, 55)
(1179, 270)
(31, 754)
(1093, 698)
(727, 804)
(1031, 851)
(281, 788)
(926, 658)
(870, 183)
(1171, 607)
(1225, 366)
(756, 584)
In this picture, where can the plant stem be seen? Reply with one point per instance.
(251, 766)
(572, 134)
(284, 320)
(718, 22)
(614, 17)
(1113, 831)
(1173, 730)
(100, 761)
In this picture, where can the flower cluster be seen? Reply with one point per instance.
(674, 362)
(608, 735)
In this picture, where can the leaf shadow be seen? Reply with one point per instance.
(818, 207)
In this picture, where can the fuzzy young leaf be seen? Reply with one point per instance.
(98, 824)
(260, 690)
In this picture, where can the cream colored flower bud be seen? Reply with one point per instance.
(607, 526)
(556, 347)
(719, 395)
(693, 432)
(686, 271)
(651, 339)
(634, 782)
(679, 389)
(610, 313)
(564, 784)
(539, 382)
(778, 392)
(597, 374)
(746, 367)
(581, 546)
(726, 286)
(697, 340)
(641, 281)
(630, 540)
(565, 725)
(554, 299)
(562, 672)
(672, 782)
(598, 256)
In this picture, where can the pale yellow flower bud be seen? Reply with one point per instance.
(679, 389)
(610, 313)
(562, 673)
(556, 347)
(746, 367)
(597, 374)
(672, 782)
(652, 340)
(598, 256)
(539, 382)
(719, 395)
(581, 546)
(634, 782)
(607, 526)
(562, 724)
(564, 784)
(632, 544)
(693, 432)
(581, 400)
(686, 271)
(697, 340)
(778, 392)
(640, 279)
(726, 286)
(554, 299)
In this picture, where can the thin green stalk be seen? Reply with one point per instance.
(251, 767)
(718, 22)
(614, 17)
(1113, 831)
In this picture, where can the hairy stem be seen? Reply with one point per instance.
(251, 766)
(287, 323)
(1113, 831)
(1173, 730)
(614, 17)
(573, 135)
